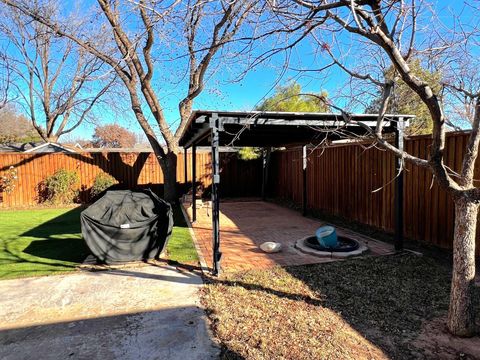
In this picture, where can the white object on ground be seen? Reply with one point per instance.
(271, 247)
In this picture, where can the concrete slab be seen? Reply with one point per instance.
(144, 312)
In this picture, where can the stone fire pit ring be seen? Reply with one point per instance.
(348, 247)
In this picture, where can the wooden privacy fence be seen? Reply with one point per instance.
(341, 181)
(241, 178)
(355, 183)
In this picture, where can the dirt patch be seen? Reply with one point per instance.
(437, 343)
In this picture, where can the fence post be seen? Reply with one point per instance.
(185, 167)
(194, 179)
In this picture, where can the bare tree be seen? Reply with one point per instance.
(5, 80)
(148, 36)
(56, 80)
(391, 34)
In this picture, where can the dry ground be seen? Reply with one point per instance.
(366, 308)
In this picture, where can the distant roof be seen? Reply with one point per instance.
(132, 150)
(50, 147)
(36, 147)
(271, 128)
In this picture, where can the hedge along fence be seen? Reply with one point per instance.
(239, 178)
(341, 181)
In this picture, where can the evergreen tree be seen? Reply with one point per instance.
(288, 98)
(406, 101)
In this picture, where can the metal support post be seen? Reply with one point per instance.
(398, 200)
(214, 125)
(265, 160)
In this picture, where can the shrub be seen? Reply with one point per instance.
(62, 187)
(8, 180)
(101, 183)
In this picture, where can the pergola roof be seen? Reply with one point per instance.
(269, 128)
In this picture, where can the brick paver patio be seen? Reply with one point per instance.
(244, 225)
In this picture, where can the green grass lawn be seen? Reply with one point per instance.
(48, 241)
(180, 248)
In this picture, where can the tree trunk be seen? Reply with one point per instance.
(461, 314)
(169, 168)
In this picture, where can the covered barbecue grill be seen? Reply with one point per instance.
(125, 225)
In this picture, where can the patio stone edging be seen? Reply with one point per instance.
(201, 258)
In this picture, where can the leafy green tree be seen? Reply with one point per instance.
(291, 98)
(288, 98)
(406, 101)
(249, 153)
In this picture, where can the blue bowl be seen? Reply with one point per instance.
(327, 236)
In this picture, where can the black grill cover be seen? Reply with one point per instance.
(125, 225)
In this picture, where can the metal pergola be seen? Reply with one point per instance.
(279, 129)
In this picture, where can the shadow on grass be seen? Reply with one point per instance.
(72, 250)
(58, 239)
(45, 247)
(66, 223)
